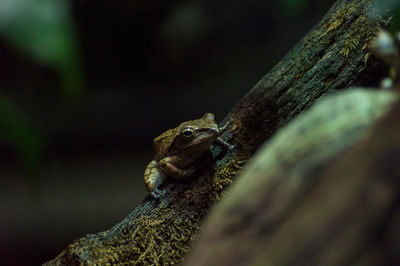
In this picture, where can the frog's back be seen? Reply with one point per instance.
(163, 142)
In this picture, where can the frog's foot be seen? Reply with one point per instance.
(156, 193)
(225, 127)
(226, 144)
(153, 178)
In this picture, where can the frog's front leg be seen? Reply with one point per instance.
(153, 178)
(168, 166)
(226, 144)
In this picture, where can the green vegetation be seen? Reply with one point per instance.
(16, 130)
(44, 31)
(293, 8)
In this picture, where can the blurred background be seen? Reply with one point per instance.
(86, 85)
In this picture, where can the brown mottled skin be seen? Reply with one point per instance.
(177, 149)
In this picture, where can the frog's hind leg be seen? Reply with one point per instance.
(153, 178)
(167, 165)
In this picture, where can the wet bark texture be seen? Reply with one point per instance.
(332, 56)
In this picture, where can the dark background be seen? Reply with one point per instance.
(77, 116)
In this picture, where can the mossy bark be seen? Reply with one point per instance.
(330, 57)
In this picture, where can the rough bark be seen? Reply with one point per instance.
(323, 191)
(330, 57)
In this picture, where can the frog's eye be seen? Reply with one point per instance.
(187, 133)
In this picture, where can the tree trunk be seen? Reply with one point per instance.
(330, 57)
(323, 191)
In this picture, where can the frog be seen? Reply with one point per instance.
(178, 150)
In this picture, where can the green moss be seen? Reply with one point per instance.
(161, 236)
(363, 32)
(363, 28)
(339, 18)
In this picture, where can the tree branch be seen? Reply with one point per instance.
(331, 56)
(322, 191)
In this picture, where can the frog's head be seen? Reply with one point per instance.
(197, 134)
